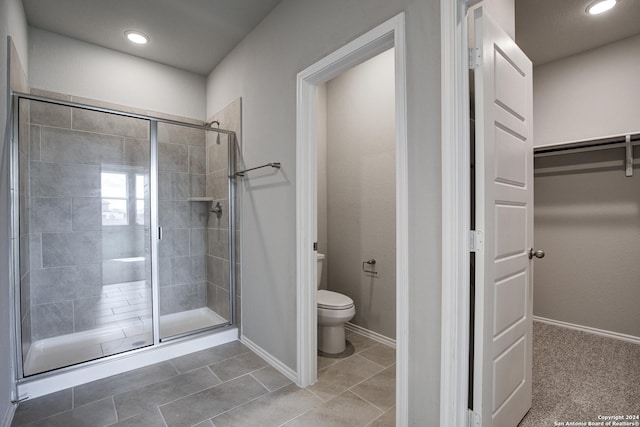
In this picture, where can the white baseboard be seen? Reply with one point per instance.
(8, 415)
(370, 334)
(588, 329)
(281, 367)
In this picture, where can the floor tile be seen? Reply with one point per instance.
(345, 374)
(207, 357)
(42, 407)
(381, 354)
(272, 409)
(97, 414)
(122, 383)
(388, 419)
(237, 366)
(324, 362)
(150, 418)
(345, 410)
(360, 342)
(379, 390)
(206, 423)
(271, 378)
(146, 398)
(213, 401)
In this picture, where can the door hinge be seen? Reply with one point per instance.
(475, 58)
(476, 241)
(474, 419)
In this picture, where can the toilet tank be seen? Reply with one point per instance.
(319, 272)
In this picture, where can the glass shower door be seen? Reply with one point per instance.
(193, 253)
(84, 209)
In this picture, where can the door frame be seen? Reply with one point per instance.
(456, 205)
(386, 35)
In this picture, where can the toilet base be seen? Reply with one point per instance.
(331, 339)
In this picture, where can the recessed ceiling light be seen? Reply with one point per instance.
(600, 6)
(137, 37)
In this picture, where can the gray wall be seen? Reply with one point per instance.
(361, 190)
(587, 219)
(588, 95)
(323, 236)
(111, 76)
(262, 70)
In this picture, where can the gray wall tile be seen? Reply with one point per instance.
(52, 214)
(198, 239)
(173, 157)
(136, 152)
(166, 246)
(181, 135)
(165, 186)
(65, 283)
(181, 186)
(78, 248)
(34, 143)
(198, 185)
(35, 249)
(179, 298)
(165, 272)
(51, 320)
(86, 213)
(219, 243)
(167, 214)
(43, 113)
(197, 160)
(71, 146)
(182, 242)
(218, 155)
(113, 124)
(183, 214)
(64, 180)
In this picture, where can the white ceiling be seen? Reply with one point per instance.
(195, 35)
(547, 30)
(192, 35)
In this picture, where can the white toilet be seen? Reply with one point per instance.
(334, 310)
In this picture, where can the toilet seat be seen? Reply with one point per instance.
(333, 300)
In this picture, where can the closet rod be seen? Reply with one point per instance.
(582, 146)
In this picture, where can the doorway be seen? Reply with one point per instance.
(387, 35)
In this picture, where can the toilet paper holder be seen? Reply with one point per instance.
(369, 262)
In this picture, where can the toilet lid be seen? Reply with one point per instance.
(329, 299)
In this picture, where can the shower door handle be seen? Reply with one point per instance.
(159, 233)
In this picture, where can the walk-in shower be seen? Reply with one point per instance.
(126, 231)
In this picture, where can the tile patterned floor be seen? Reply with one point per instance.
(229, 386)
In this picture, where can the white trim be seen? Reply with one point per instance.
(8, 415)
(370, 334)
(455, 216)
(138, 359)
(589, 329)
(267, 357)
(388, 34)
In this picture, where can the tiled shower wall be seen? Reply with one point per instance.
(69, 148)
(218, 254)
(181, 176)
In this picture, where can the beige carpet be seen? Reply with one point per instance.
(579, 376)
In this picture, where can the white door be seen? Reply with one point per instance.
(504, 215)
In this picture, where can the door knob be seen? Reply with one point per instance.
(538, 254)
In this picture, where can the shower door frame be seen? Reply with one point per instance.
(154, 235)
